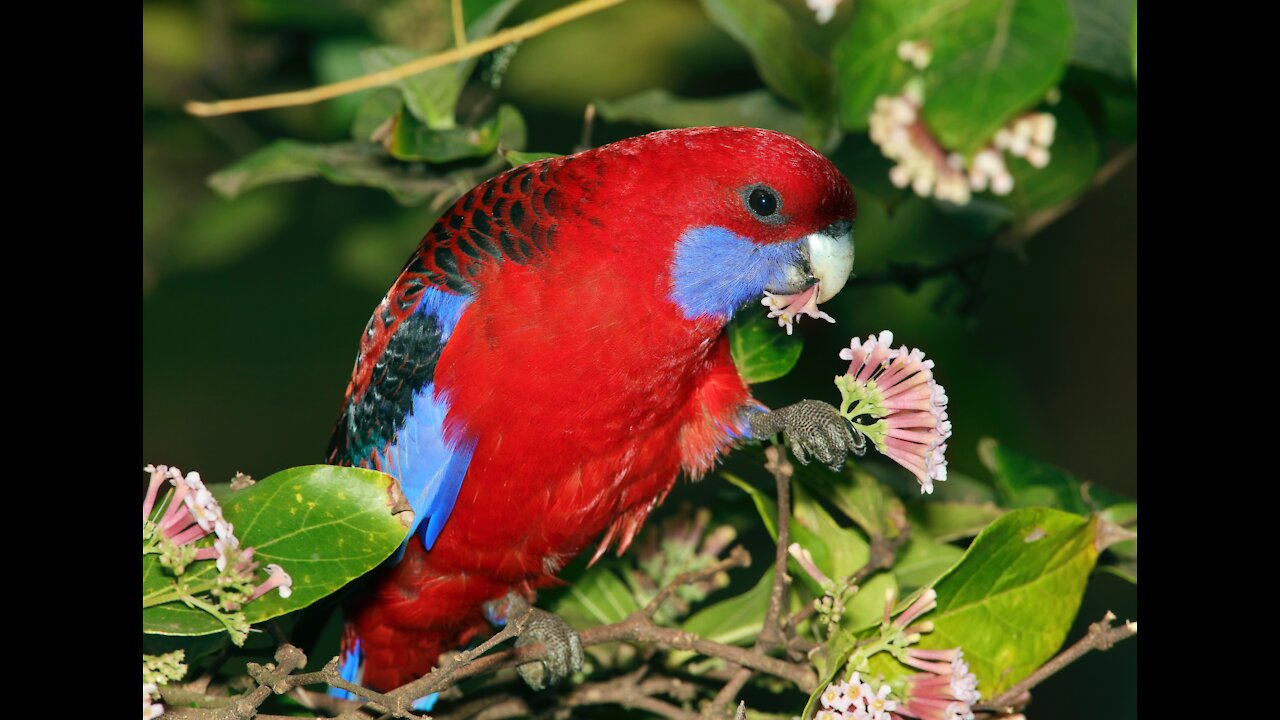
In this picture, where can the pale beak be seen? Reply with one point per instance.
(830, 257)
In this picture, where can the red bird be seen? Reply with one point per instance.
(554, 354)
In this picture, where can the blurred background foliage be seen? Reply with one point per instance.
(253, 304)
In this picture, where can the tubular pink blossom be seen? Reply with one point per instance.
(157, 479)
(927, 601)
(276, 578)
(789, 308)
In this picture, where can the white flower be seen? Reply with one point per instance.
(824, 9)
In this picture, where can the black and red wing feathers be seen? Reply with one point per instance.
(512, 217)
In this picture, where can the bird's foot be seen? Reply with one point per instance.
(531, 626)
(813, 429)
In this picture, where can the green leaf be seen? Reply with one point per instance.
(737, 620)
(431, 96)
(765, 505)
(324, 525)
(412, 141)
(1023, 482)
(858, 495)
(517, 158)
(381, 105)
(1012, 598)
(761, 350)
(1075, 156)
(1102, 36)
(992, 59)
(947, 521)
(758, 108)
(837, 551)
(785, 62)
(923, 560)
(340, 163)
(599, 597)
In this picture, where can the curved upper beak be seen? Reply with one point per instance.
(830, 257)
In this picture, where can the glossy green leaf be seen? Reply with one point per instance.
(1012, 598)
(946, 521)
(837, 551)
(599, 597)
(1074, 158)
(923, 560)
(737, 620)
(412, 141)
(758, 108)
(431, 96)
(785, 62)
(324, 525)
(992, 59)
(340, 163)
(857, 494)
(765, 505)
(761, 350)
(1102, 36)
(374, 113)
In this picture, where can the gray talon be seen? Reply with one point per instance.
(813, 429)
(563, 644)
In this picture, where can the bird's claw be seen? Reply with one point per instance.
(813, 429)
(562, 643)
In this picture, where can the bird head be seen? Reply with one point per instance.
(751, 210)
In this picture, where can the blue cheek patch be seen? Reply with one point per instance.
(715, 272)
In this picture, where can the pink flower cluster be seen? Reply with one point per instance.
(947, 690)
(192, 514)
(894, 400)
(855, 700)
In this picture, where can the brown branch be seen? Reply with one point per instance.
(1101, 636)
(243, 707)
(772, 633)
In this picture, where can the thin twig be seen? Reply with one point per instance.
(772, 632)
(1101, 636)
(386, 77)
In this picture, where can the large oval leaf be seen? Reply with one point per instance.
(324, 525)
(991, 60)
(1012, 598)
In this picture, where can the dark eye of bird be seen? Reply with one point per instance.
(866, 420)
(763, 202)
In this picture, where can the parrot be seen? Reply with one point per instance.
(554, 355)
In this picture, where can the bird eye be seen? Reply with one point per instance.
(763, 201)
(865, 419)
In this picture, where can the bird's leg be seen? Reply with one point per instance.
(531, 625)
(813, 428)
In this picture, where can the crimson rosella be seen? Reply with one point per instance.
(554, 354)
